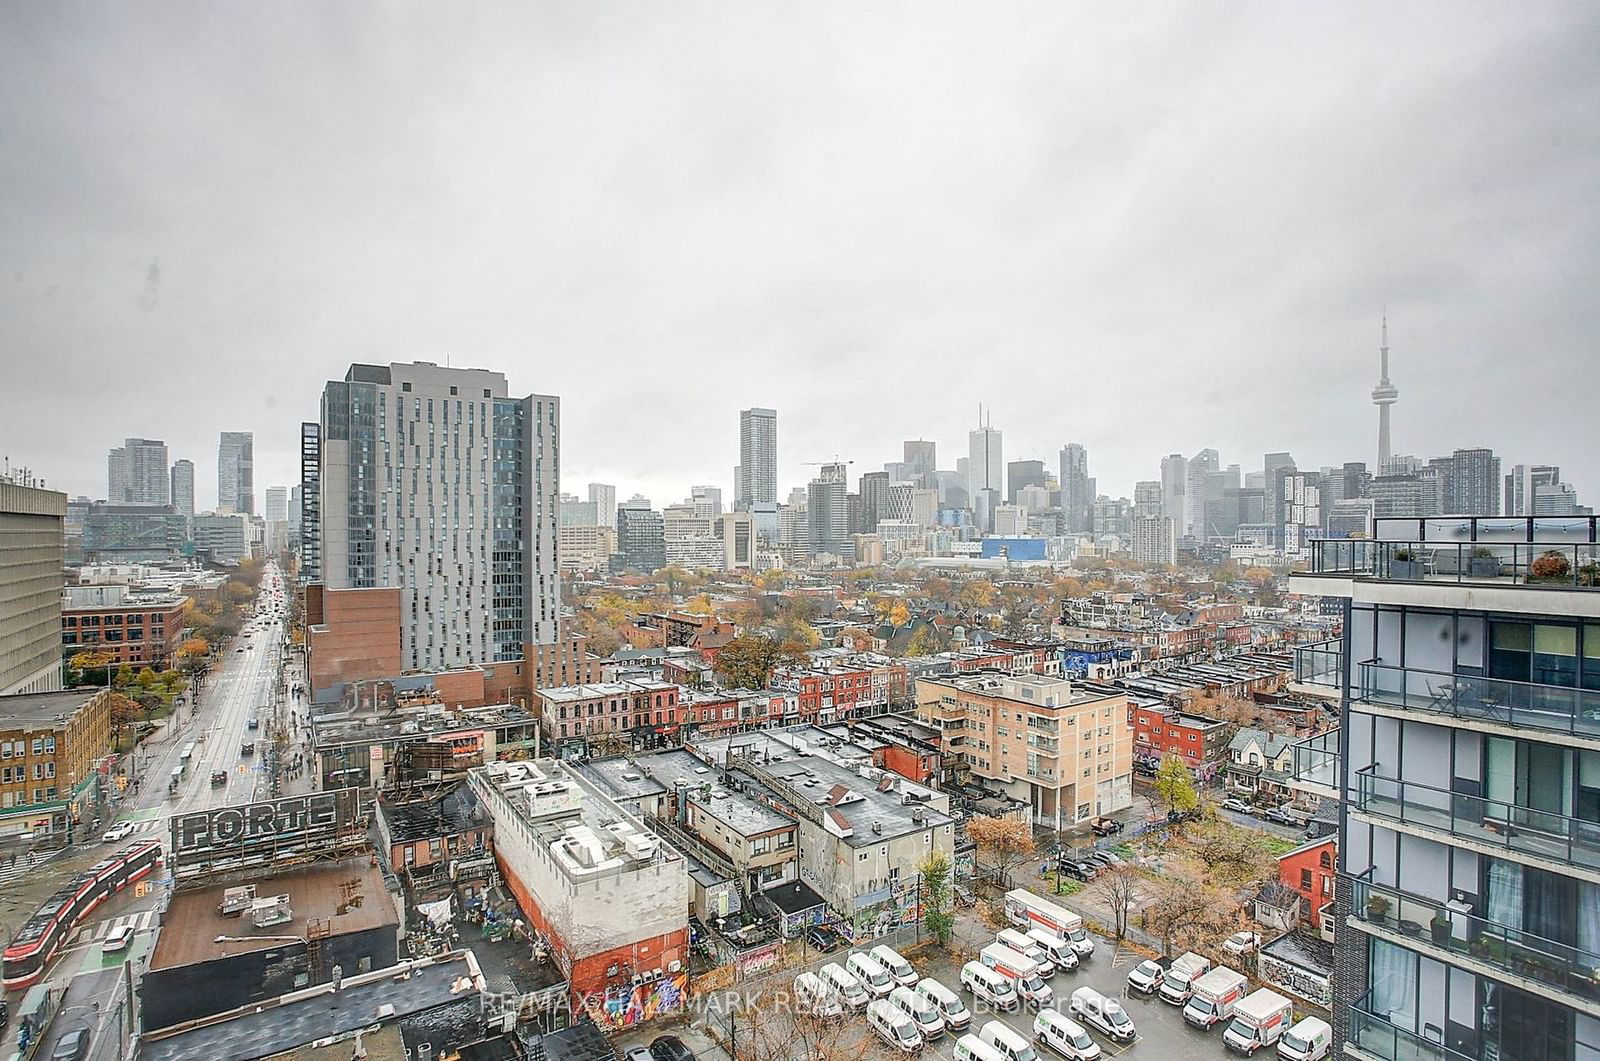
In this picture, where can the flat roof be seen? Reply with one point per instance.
(350, 894)
(656, 775)
(817, 777)
(454, 811)
(30, 709)
(269, 1027)
(426, 720)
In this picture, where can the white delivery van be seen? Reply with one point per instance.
(923, 1013)
(1259, 1019)
(1103, 1013)
(1213, 996)
(848, 988)
(971, 1048)
(1309, 1040)
(898, 968)
(1065, 1036)
(1181, 974)
(874, 977)
(989, 986)
(1008, 1044)
(893, 1027)
(1027, 910)
(815, 997)
(951, 1008)
(1021, 969)
(1022, 944)
(1057, 949)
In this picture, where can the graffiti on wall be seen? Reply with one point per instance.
(1313, 987)
(624, 1009)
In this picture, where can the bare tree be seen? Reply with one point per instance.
(770, 1022)
(1188, 911)
(1122, 886)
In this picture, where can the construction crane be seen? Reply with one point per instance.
(824, 464)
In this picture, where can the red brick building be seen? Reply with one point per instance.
(1162, 731)
(136, 629)
(1309, 869)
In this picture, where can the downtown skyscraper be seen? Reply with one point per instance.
(236, 482)
(183, 487)
(986, 474)
(137, 473)
(757, 474)
(1077, 497)
(438, 482)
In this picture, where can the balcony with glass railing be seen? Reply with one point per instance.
(1377, 1037)
(1319, 664)
(1552, 564)
(1562, 966)
(1545, 835)
(1527, 705)
(1316, 763)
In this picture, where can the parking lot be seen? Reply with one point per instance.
(1162, 1032)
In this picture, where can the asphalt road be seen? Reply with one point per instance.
(240, 686)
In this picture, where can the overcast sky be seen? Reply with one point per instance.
(1144, 228)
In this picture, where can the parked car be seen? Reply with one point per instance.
(638, 1053)
(825, 940)
(118, 832)
(1282, 816)
(1241, 943)
(1146, 977)
(1105, 826)
(1080, 870)
(1238, 806)
(670, 1048)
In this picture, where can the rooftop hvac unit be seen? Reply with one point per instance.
(273, 910)
(877, 827)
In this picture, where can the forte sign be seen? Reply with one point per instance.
(272, 828)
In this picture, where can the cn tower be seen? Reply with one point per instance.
(1384, 395)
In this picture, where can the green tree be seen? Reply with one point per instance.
(937, 916)
(124, 676)
(146, 679)
(747, 662)
(925, 642)
(1175, 785)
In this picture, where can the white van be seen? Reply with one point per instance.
(1056, 948)
(874, 977)
(972, 1048)
(1028, 948)
(1103, 1014)
(951, 1008)
(893, 1027)
(1009, 1044)
(815, 997)
(847, 987)
(1308, 1040)
(984, 983)
(923, 1013)
(899, 969)
(1022, 970)
(1065, 1036)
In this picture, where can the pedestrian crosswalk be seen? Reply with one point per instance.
(103, 928)
(13, 868)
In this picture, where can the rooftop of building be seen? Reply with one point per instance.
(407, 995)
(1034, 690)
(644, 776)
(369, 725)
(586, 831)
(793, 897)
(350, 894)
(134, 601)
(1303, 950)
(453, 811)
(874, 805)
(566, 694)
(29, 710)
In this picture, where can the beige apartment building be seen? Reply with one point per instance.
(1066, 749)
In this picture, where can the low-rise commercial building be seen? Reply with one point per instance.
(1159, 731)
(139, 629)
(51, 745)
(607, 897)
(398, 742)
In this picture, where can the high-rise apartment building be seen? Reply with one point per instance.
(436, 481)
(310, 502)
(1475, 484)
(1201, 466)
(827, 513)
(277, 504)
(182, 490)
(137, 473)
(1468, 896)
(32, 541)
(1147, 499)
(236, 481)
(1076, 493)
(1153, 541)
(1522, 482)
(1274, 465)
(758, 458)
(874, 491)
(604, 496)
(641, 538)
(1174, 483)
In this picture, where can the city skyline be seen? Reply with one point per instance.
(728, 248)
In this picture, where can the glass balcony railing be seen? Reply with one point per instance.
(1537, 833)
(1319, 664)
(1559, 965)
(1557, 708)
(1316, 760)
(1374, 1035)
(1559, 565)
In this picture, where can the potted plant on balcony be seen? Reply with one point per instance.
(1439, 927)
(1483, 563)
(1589, 574)
(1549, 566)
(1377, 908)
(1405, 564)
